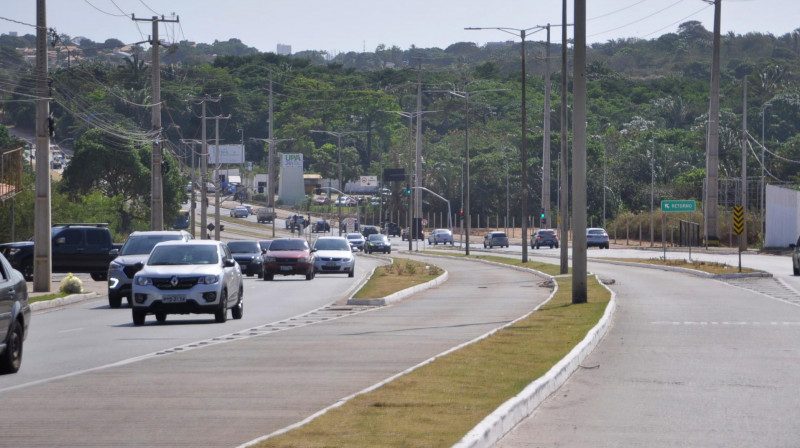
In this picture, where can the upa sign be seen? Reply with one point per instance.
(678, 206)
(292, 160)
(227, 154)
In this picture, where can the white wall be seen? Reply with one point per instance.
(782, 216)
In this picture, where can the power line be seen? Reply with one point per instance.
(615, 11)
(103, 11)
(148, 7)
(637, 20)
(759, 161)
(772, 153)
(679, 21)
(18, 22)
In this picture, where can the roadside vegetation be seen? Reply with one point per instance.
(547, 268)
(399, 275)
(46, 297)
(439, 403)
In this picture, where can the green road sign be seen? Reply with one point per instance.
(678, 205)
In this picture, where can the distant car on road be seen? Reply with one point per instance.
(194, 277)
(240, 212)
(131, 258)
(596, 236)
(392, 229)
(356, 240)
(492, 239)
(441, 236)
(249, 256)
(321, 226)
(369, 230)
(265, 215)
(544, 237)
(288, 256)
(333, 255)
(346, 201)
(378, 243)
(249, 209)
(15, 315)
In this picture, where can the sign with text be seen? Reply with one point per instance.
(678, 205)
(227, 154)
(292, 160)
(394, 174)
(369, 181)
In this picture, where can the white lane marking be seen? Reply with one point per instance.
(216, 340)
(71, 330)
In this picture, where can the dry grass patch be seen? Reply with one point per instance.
(396, 277)
(547, 268)
(46, 297)
(439, 403)
(705, 266)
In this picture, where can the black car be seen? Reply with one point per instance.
(392, 229)
(544, 237)
(378, 243)
(249, 255)
(321, 226)
(84, 248)
(15, 315)
(369, 230)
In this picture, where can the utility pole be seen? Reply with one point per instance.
(579, 284)
(157, 157)
(193, 205)
(762, 189)
(42, 249)
(271, 160)
(523, 154)
(563, 188)
(652, 190)
(605, 150)
(712, 145)
(204, 169)
(217, 183)
(418, 151)
(743, 236)
(546, 138)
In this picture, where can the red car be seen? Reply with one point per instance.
(288, 256)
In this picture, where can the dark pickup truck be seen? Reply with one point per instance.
(77, 248)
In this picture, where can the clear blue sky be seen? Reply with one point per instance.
(349, 25)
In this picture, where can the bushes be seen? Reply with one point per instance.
(71, 285)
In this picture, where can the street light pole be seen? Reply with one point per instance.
(579, 272)
(563, 188)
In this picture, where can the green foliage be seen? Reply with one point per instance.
(71, 285)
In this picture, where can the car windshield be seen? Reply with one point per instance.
(596, 231)
(498, 235)
(244, 247)
(284, 245)
(546, 233)
(376, 237)
(183, 254)
(354, 236)
(441, 231)
(265, 244)
(143, 244)
(332, 244)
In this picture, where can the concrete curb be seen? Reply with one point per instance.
(497, 424)
(694, 272)
(402, 294)
(347, 295)
(495, 263)
(62, 301)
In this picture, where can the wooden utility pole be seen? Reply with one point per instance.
(42, 249)
(157, 157)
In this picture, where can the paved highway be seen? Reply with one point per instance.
(263, 379)
(688, 362)
(90, 334)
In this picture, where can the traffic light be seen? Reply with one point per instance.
(407, 191)
(541, 215)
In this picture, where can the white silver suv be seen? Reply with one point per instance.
(194, 277)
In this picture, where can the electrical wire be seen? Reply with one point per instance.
(760, 163)
(641, 19)
(679, 21)
(148, 7)
(103, 11)
(18, 22)
(615, 11)
(772, 153)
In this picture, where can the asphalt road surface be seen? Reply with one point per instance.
(223, 391)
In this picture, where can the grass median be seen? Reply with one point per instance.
(439, 403)
(396, 277)
(704, 266)
(547, 268)
(46, 297)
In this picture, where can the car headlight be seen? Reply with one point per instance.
(143, 281)
(208, 279)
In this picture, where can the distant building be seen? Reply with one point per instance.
(284, 50)
(13, 34)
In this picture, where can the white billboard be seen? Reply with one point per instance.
(227, 154)
(369, 181)
(292, 160)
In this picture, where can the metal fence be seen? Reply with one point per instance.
(10, 173)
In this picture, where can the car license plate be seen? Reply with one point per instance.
(286, 268)
(330, 265)
(174, 299)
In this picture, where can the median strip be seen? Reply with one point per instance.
(397, 280)
(437, 402)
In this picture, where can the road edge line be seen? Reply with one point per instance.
(344, 400)
(516, 409)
